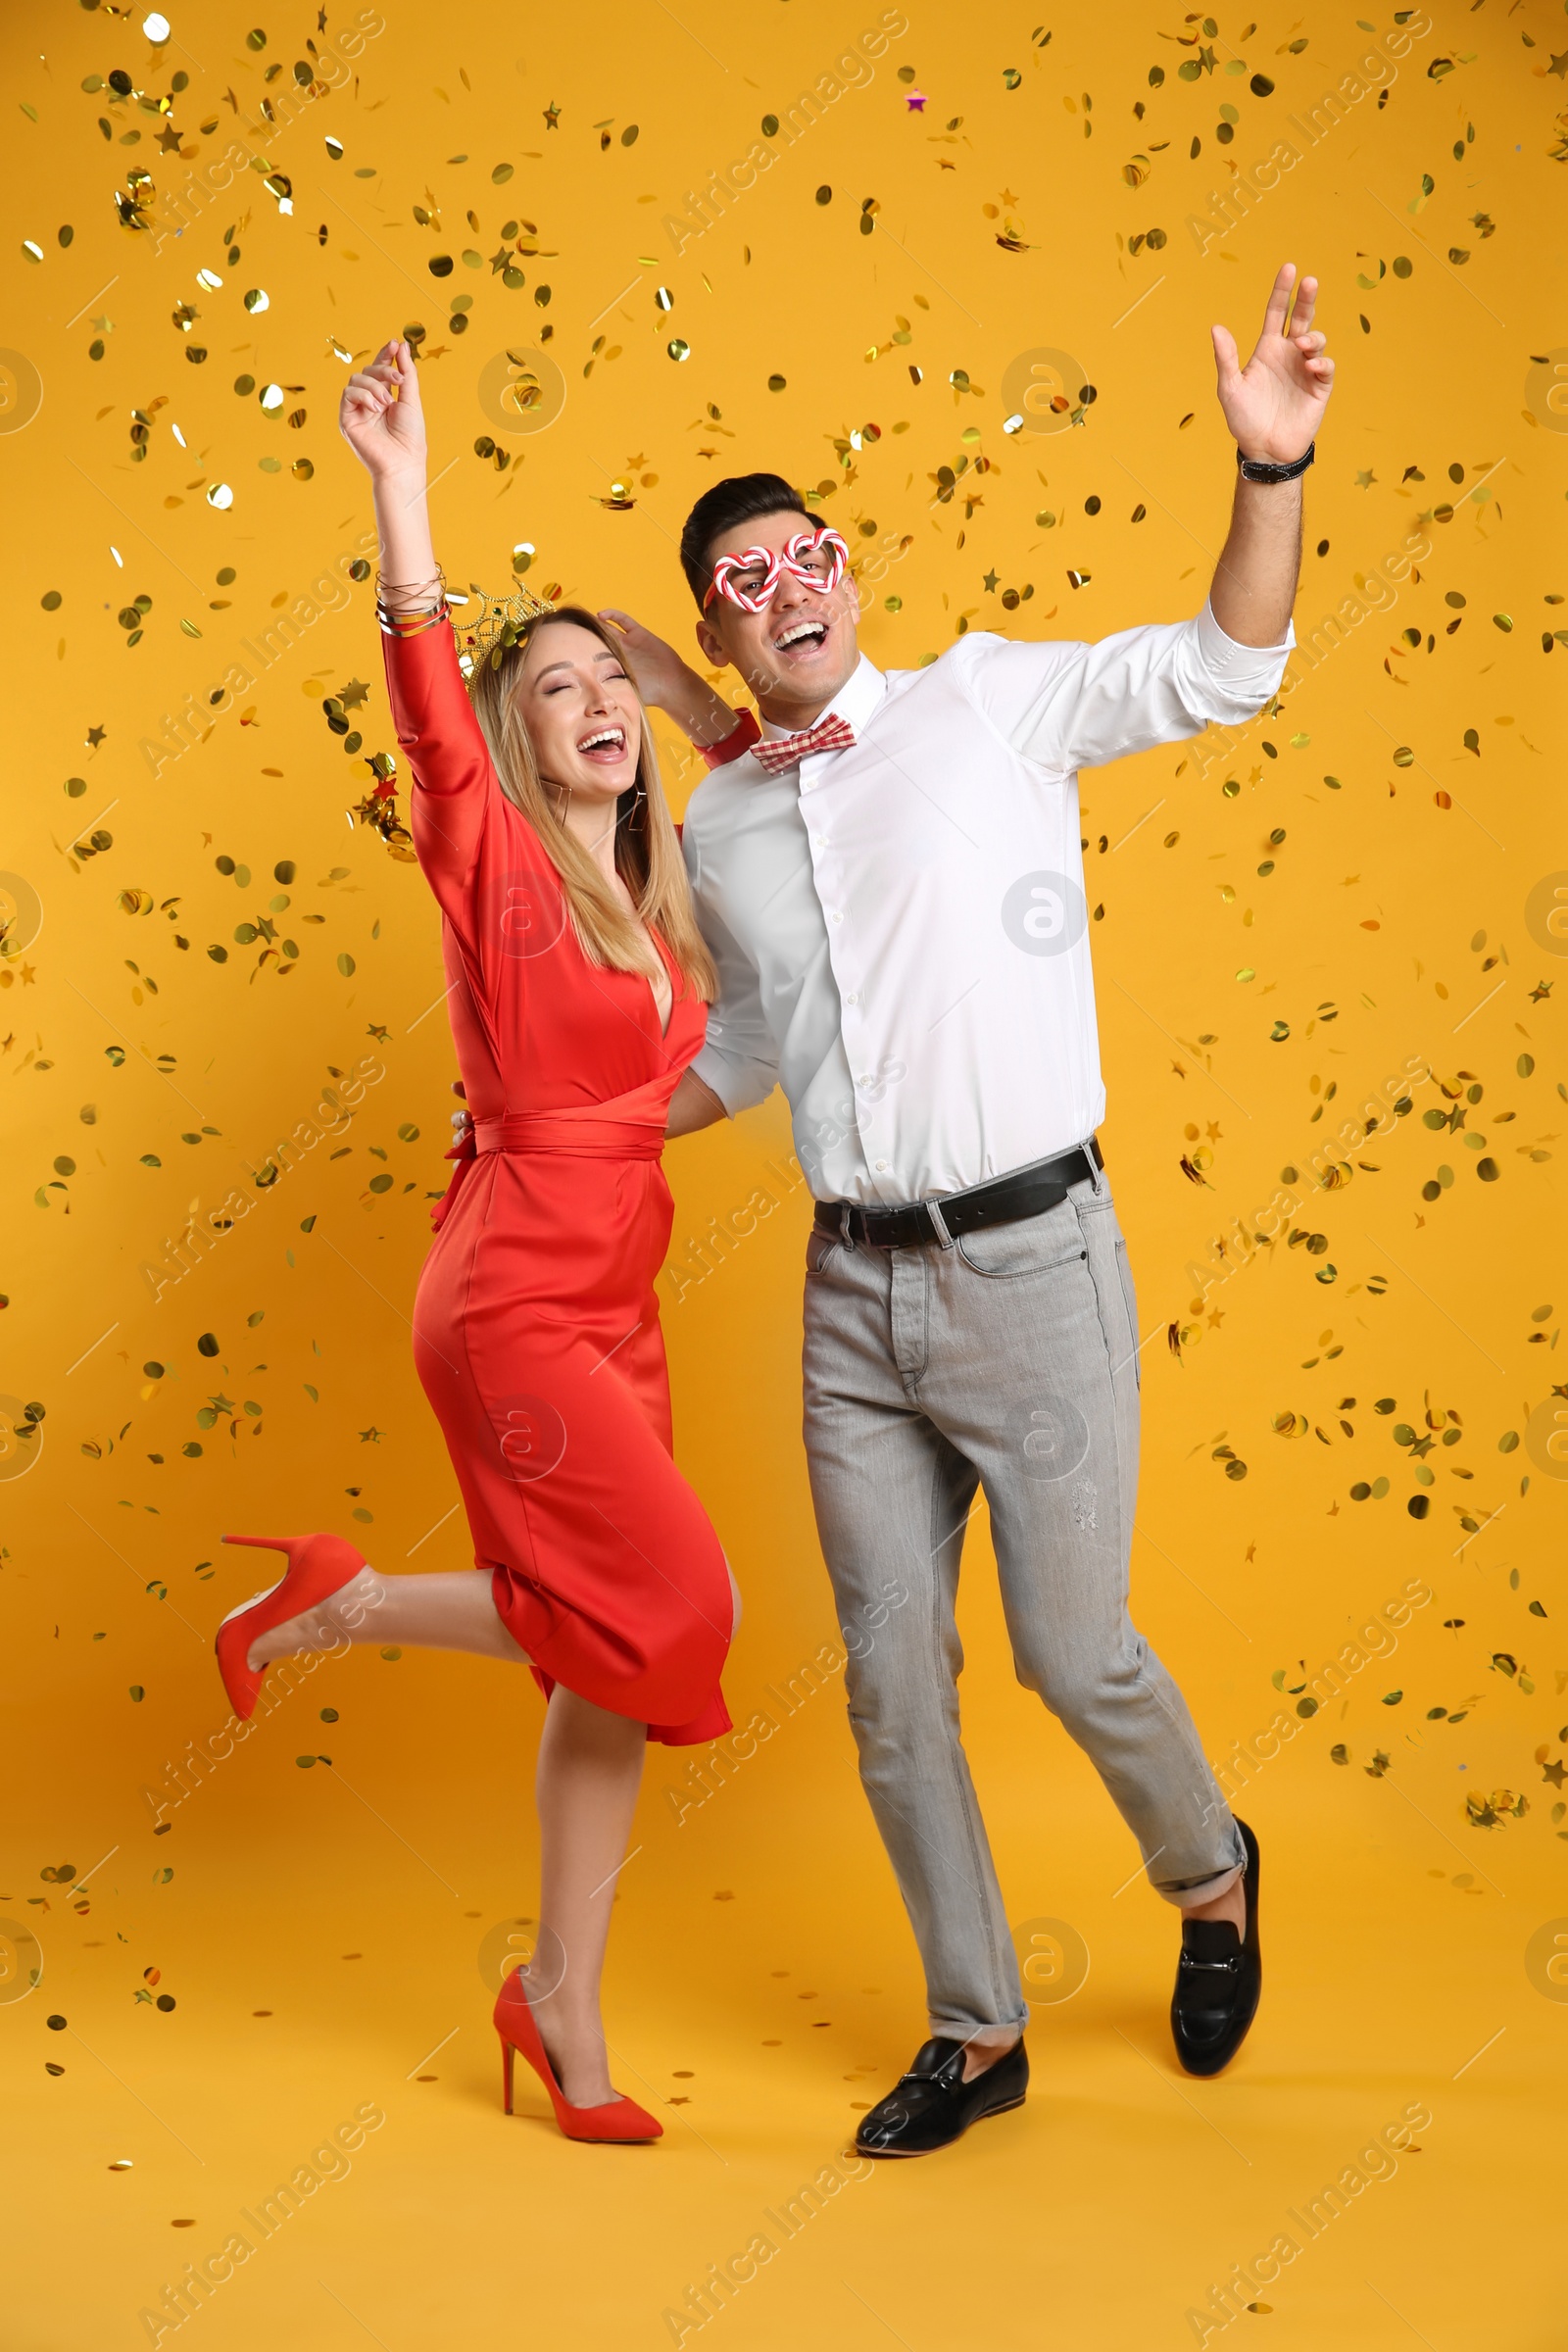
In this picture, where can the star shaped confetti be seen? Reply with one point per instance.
(915, 102)
(552, 115)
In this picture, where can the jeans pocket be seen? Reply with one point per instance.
(1130, 1301)
(821, 1248)
(1026, 1245)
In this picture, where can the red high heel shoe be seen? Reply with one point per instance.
(618, 2119)
(318, 1567)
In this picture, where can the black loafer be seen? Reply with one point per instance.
(933, 2105)
(1218, 1980)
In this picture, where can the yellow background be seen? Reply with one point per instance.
(761, 1970)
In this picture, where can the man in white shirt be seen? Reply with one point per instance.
(889, 878)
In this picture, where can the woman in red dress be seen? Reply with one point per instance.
(579, 990)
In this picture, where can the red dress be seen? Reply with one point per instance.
(536, 1326)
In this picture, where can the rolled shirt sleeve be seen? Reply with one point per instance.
(1071, 706)
(739, 1060)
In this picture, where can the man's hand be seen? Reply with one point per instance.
(668, 683)
(1275, 404)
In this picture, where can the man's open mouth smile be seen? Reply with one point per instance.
(805, 635)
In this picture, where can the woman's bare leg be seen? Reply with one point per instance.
(590, 1766)
(454, 1611)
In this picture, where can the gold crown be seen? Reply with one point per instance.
(491, 625)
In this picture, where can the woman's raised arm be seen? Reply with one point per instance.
(453, 805)
(383, 423)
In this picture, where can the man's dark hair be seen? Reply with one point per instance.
(743, 497)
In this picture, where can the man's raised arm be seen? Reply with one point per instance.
(1273, 407)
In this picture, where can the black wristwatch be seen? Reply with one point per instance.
(1258, 469)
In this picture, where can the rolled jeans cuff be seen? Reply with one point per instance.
(1206, 1891)
(944, 2028)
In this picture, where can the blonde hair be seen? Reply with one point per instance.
(647, 855)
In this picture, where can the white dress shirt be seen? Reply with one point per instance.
(901, 928)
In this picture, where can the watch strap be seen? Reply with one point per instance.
(1263, 470)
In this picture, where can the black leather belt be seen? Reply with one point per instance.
(1005, 1200)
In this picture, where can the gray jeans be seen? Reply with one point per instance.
(1006, 1363)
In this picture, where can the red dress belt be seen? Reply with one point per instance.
(588, 1131)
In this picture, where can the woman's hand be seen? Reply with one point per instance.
(668, 683)
(380, 416)
(383, 423)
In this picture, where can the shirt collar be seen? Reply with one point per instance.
(855, 702)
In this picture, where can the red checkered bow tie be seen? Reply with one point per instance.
(827, 735)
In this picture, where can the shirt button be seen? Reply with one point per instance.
(838, 918)
(851, 1000)
(881, 1167)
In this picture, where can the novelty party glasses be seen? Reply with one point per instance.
(816, 559)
